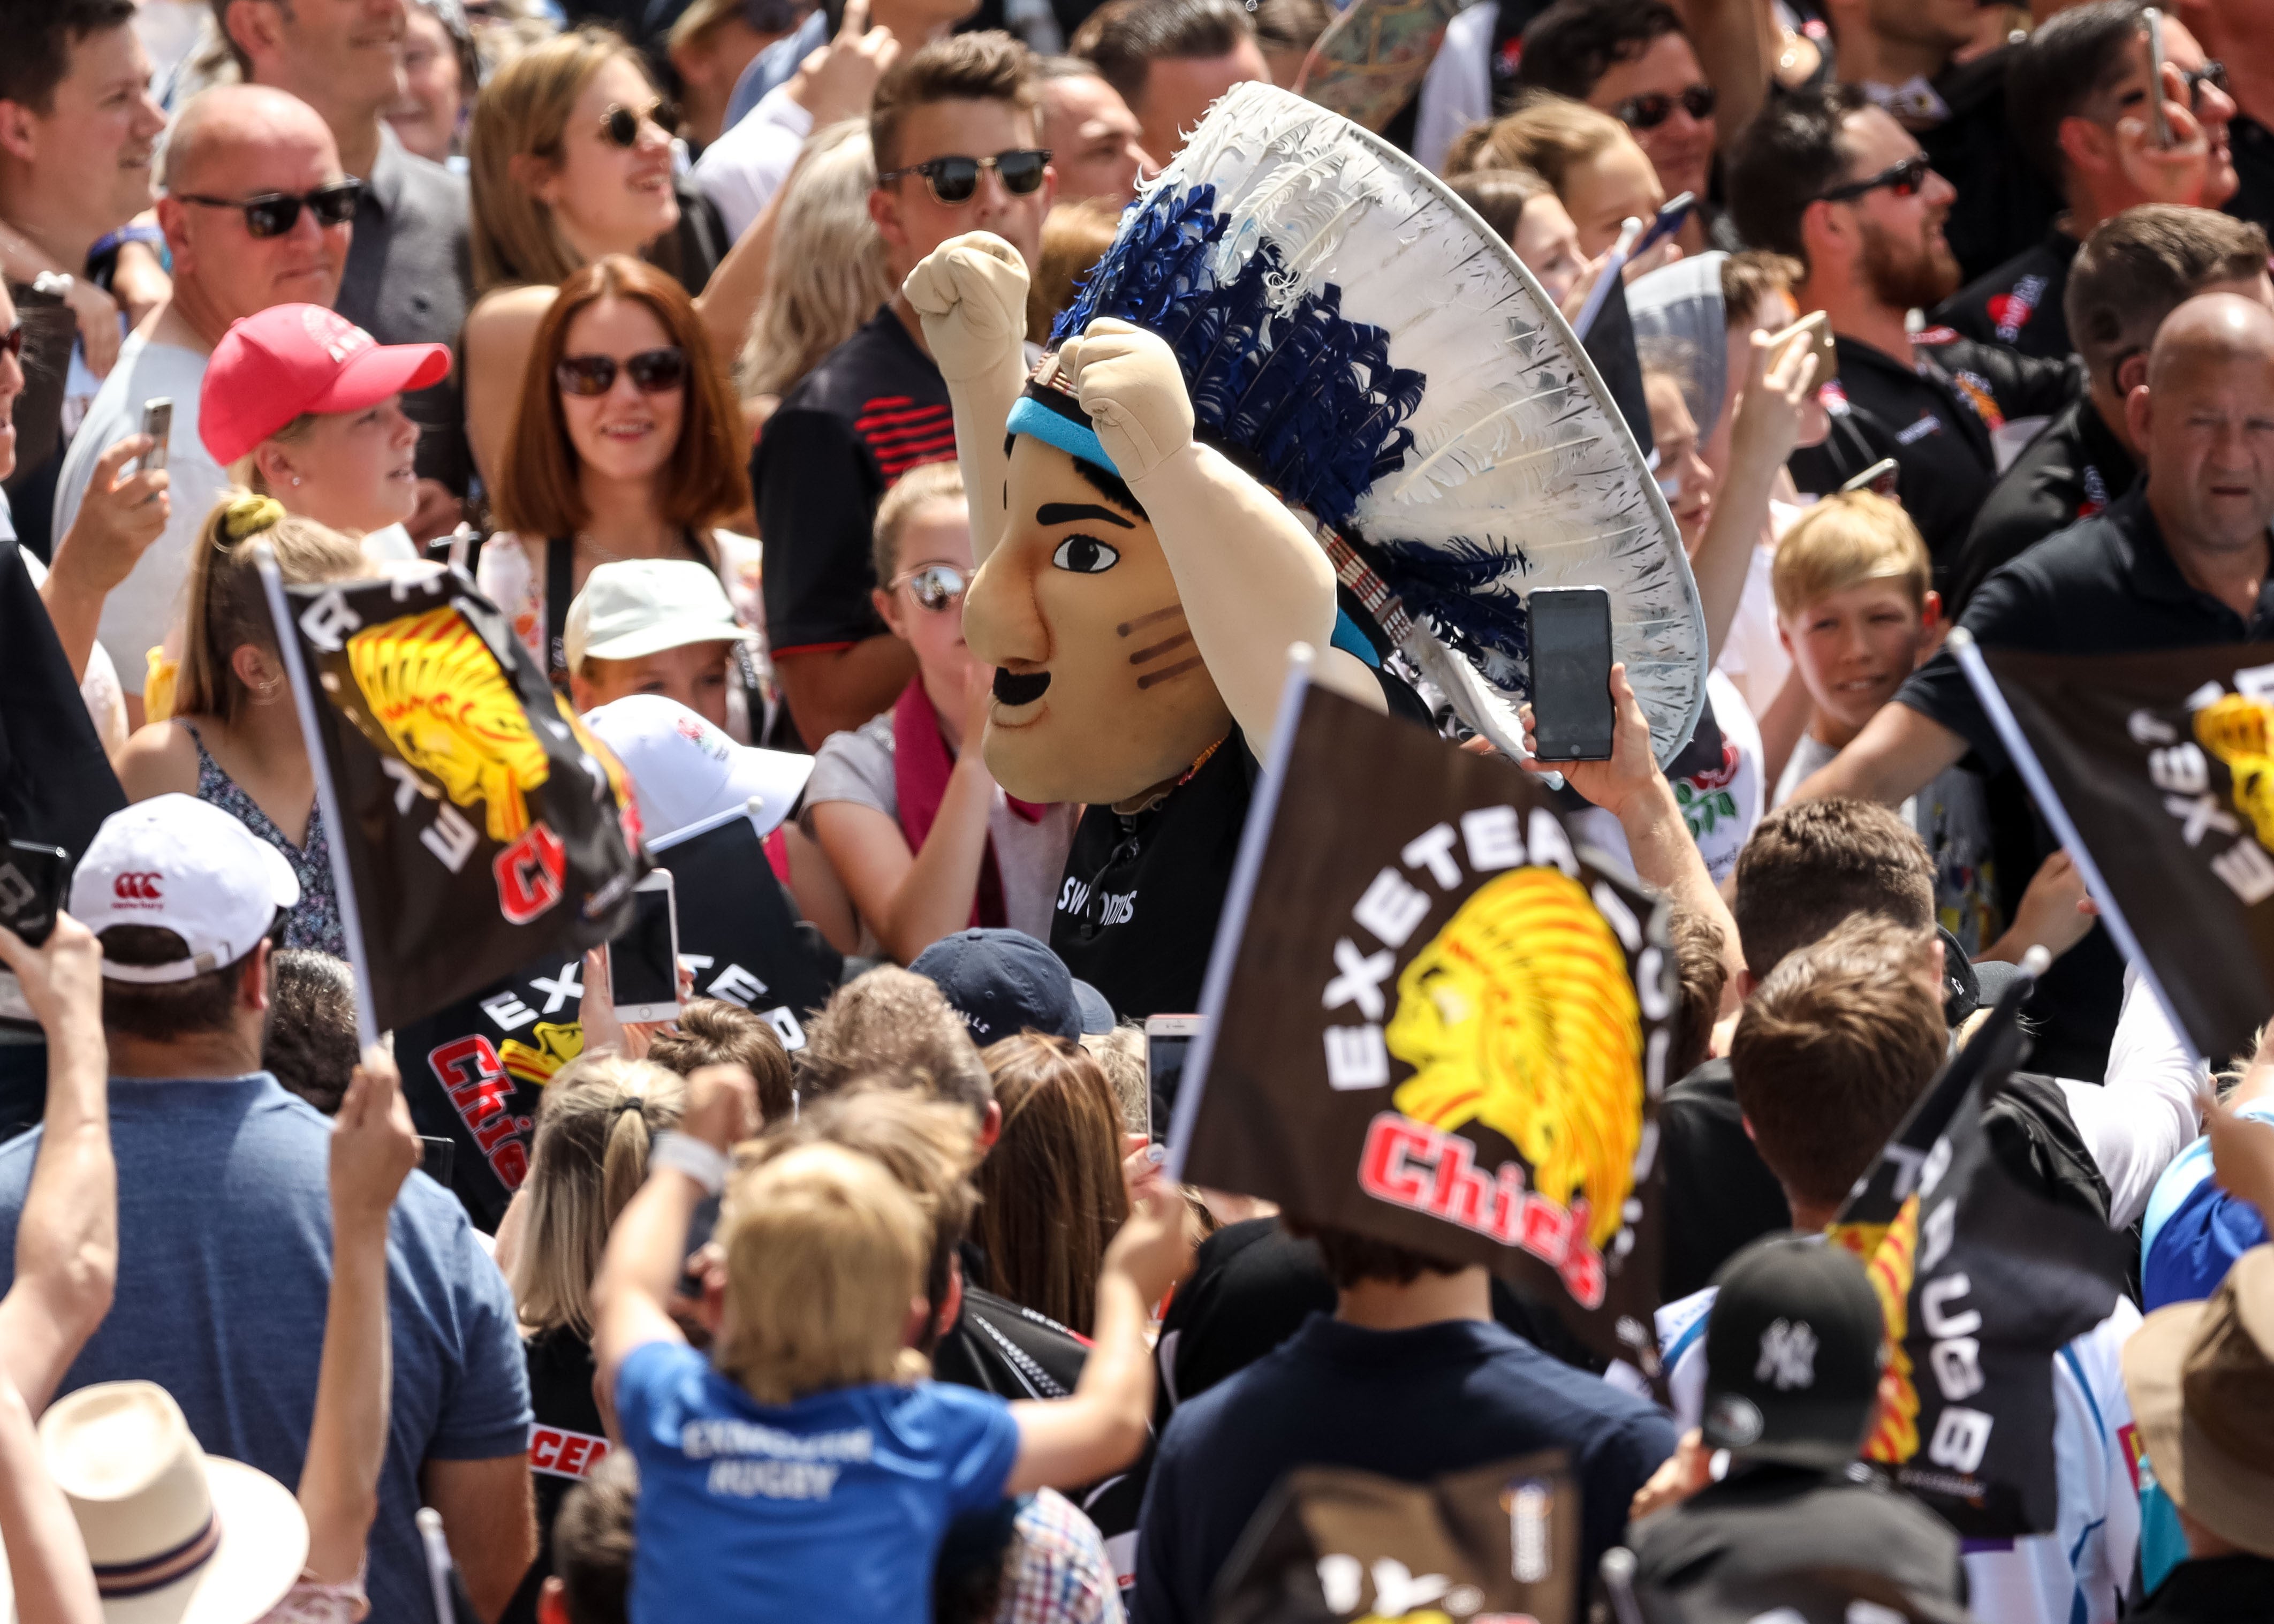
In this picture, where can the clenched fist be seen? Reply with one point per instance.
(1128, 381)
(971, 294)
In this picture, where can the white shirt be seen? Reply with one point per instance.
(740, 171)
(1721, 805)
(1456, 91)
(138, 611)
(2077, 1573)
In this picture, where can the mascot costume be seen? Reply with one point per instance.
(1306, 396)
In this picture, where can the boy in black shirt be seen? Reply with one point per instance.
(878, 405)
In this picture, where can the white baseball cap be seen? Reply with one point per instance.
(177, 863)
(685, 770)
(642, 606)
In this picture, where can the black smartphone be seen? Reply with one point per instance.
(644, 962)
(1572, 715)
(438, 1157)
(31, 882)
(1668, 221)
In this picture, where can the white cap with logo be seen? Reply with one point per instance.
(642, 606)
(177, 863)
(685, 770)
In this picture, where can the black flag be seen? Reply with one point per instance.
(474, 1070)
(2162, 768)
(1432, 1021)
(55, 784)
(474, 824)
(1982, 1282)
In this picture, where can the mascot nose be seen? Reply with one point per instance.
(1001, 624)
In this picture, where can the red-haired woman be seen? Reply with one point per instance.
(628, 444)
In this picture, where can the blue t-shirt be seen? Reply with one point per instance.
(2193, 1230)
(1411, 1404)
(831, 1508)
(224, 1270)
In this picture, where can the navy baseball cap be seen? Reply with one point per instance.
(1004, 982)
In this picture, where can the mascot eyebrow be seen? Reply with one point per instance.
(1073, 513)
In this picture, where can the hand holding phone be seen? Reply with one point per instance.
(1818, 325)
(158, 424)
(33, 879)
(1167, 1039)
(644, 962)
(1572, 715)
(2160, 123)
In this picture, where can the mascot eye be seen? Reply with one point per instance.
(1085, 555)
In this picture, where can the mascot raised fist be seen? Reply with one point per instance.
(1306, 397)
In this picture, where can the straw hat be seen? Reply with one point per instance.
(176, 1536)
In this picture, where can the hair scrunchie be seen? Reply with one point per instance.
(246, 516)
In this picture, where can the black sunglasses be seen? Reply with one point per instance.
(953, 180)
(273, 214)
(653, 372)
(1648, 112)
(1904, 179)
(2212, 73)
(621, 124)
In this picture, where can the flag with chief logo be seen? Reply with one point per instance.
(1983, 1280)
(1433, 1020)
(480, 826)
(2163, 762)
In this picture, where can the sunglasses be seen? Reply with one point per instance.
(937, 587)
(621, 125)
(1904, 179)
(653, 372)
(1648, 112)
(953, 180)
(2212, 73)
(273, 214)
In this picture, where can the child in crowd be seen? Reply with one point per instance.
(655, 626)
(1857, 613)
(808, 1469)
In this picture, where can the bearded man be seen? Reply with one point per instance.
(1835, 182)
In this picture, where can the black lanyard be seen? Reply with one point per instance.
(560, 577)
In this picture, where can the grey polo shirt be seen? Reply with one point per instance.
(409, 281)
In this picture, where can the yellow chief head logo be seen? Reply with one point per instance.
(2239, 731)
(1520, 1015)
(439, 695)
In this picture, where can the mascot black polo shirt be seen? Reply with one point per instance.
(2071, 471)
(2019, 305)
(1935, 419)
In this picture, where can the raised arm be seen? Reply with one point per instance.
(1251, 580)
(970, 293)
(374, 1149)
(1897, 755)
(1762, 435)
(1102, 1428)
(67, 1237)
(47, 1559)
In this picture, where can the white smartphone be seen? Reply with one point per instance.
(1168, 1038)
(644, 962)
(2158, 123)
(158, 424)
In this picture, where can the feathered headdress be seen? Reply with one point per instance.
(1352, 335)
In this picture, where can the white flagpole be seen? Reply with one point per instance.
(1961, 643)
(327, 798)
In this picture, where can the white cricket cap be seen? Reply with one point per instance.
(642, 606)
(685, 770)
(177, 863)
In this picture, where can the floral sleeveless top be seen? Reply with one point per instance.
(315, 921)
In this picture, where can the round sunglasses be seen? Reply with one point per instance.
(1649, 111)
(653, 372)
(273, 214)
(619, 125)
(953, 181)
(937, 587)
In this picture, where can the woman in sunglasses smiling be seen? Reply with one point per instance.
(571, 157)
(911, 819)
(626, 445)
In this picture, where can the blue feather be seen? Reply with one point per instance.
(1465, 591)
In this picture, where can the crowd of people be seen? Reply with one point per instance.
(650, 320)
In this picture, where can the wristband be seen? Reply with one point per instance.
(706, 1164)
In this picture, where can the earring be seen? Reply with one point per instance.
(296, 481)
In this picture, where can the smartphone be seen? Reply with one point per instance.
(2159, 127)
(1879, 478)
(1669, 221)
(158, 424)
(438, 1157)
(1818, 325)
(1167, 1040)
(644, 962)
(1572, 715)
(31, 882)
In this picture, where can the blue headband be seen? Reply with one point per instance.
(1066, 429)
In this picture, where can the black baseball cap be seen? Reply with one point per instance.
(1792, 1354)
(1004, 982)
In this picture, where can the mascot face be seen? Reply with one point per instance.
(1100, 694)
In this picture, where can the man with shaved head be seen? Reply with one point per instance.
(2179, 561)
(231, 144)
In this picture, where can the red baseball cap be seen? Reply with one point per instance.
(288, 360)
